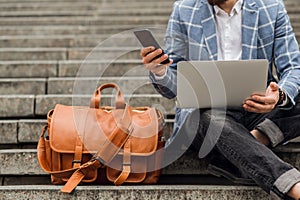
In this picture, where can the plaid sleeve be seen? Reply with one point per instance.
(175, 48)
(287, 56)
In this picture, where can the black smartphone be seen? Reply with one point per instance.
(147, 39)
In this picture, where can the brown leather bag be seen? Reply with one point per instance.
(97, 144)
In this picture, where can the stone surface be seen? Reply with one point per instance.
(101, 68)
(128, 85)
(32, 54)
(19, 162)
(8, 131)
(31, 69)
(176, 192)
(16, 105)
(63, 29)
(24, 161)
(102, 11)
(103, 53)
(123, 39)
(26, 180)
(29, 130)
(82, 20)
(77, 6)
(22, 86)
(46, 102)
(36, 41)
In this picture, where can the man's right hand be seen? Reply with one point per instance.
(148, 54)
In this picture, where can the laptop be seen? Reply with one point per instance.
(212, 84)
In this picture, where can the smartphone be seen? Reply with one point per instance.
(147, 39)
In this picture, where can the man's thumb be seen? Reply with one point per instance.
(274, 86)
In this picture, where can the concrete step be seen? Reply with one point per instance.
(90, 5)
(294, 17)
(35, 86)
(46, 102)
(187, 163)
(23, 86)
(28, 69)
(45, 30)
(122, 39)
(162, 9)
(27, 131)
(82, 5)
(101, 53)
(39, 105)
(101, 11)
(33, 54)
(17, 105)
(78, 20)
(101, 68)
(292, 8)
(129, 85)
(68, 1)
(71, 68)
(159, 192)
(18, 162)
(21, 131)
(79, 85)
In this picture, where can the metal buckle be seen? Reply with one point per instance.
(76, 161)
(126, 163)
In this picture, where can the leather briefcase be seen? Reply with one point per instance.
(101, 145)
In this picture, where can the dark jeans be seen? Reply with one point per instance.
(234, 141)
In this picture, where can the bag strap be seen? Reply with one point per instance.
(126, 164)
(106, 153)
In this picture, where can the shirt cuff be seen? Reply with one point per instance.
(158, 78)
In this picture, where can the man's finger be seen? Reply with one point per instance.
(150, 56)
(252, 106)
(146, 50)
(264, 99)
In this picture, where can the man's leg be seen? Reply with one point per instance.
(237, 144)
(278, 127)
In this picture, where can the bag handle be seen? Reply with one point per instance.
(96, 99)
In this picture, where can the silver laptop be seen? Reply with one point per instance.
(207, 84)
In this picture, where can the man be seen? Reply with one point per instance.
(233, 30)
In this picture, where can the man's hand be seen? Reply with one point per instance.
(148, 54)
(259, 103)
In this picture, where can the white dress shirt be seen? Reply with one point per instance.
(229, 32)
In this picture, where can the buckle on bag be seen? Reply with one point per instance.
(76, 161)
(126, 163)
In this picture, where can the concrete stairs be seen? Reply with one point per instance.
(57, 51)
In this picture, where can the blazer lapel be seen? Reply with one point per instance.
(249, 30)
(209, 29)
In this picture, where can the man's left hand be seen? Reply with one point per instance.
(263, 103)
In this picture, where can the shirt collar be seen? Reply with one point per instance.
(237, 8)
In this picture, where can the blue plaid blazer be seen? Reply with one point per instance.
(266, 34)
